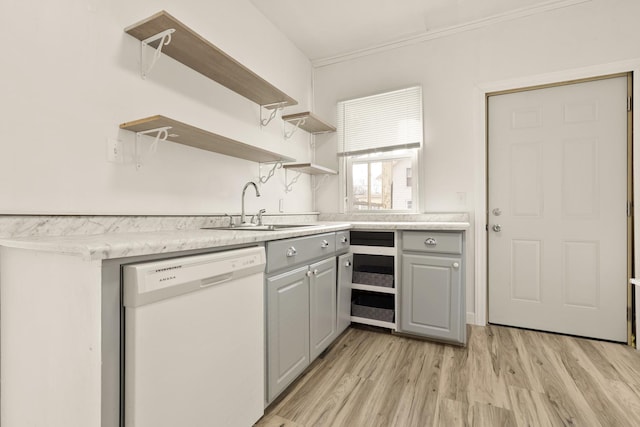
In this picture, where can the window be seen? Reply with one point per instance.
(378, 181)
(380, 136)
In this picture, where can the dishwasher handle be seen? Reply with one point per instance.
(216, 280)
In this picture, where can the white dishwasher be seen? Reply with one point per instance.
(194, 340)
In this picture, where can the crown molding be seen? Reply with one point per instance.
(447, 31)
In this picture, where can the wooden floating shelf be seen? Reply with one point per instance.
(192, 50)
(309, 168)
(309, 122)
(183, 133)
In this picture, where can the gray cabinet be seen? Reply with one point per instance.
(432, 289)
(322, 305)
(301, 304)
(287, 329)
(345, 271)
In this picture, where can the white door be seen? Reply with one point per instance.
(557, 225)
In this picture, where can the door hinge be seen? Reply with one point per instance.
(629, 209)
(629, 103)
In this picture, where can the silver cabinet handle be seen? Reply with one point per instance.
(430, 241)
(347, 264)
(324, 244)
(291, 252)
(344, 239)
(315, 272)
(308, 274)
(455, 265)
(496, 227)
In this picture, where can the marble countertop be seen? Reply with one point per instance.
(119, 245)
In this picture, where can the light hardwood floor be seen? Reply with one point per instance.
(504, 377)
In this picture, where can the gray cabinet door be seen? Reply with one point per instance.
(345, 274)
(432, 297)
(322, 305)
(287, 329)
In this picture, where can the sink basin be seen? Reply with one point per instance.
(265, 227)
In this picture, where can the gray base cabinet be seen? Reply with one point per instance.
(322, 304)
(432, 287)
(287, 329)
(345, 272)
(301, 304)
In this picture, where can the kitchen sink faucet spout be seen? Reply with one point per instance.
(243, 220)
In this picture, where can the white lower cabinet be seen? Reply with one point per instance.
(301, 321)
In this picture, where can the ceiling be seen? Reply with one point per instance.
(324, 29)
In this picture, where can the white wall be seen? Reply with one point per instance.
(70, 75)
(451, 70)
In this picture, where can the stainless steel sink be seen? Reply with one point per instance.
(265, 227)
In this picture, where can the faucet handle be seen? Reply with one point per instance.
(232, 222)
(260, 212)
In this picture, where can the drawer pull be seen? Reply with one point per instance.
(347, 264)
(431, 241)
(324, 244)
(455, 265)
(291, 252)
(344, 239)
(315, 272)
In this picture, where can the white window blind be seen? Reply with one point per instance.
(383, 122)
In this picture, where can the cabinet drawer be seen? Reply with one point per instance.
(342, 241)
(292, 252)
(432, 241)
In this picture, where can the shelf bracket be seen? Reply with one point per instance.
(296, 123)
(275, 108)
(161, 135)
(264, 179)
(289, 187)
(319, 183)
(165, 39)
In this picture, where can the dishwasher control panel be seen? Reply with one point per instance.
(156, 280)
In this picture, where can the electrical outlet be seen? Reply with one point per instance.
(114, 151)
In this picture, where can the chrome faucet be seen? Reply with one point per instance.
(243, 220)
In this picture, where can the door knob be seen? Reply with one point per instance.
(497, 212)
(496, 227)
(347, 264)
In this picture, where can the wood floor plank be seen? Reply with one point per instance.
(562, 393)
(506, 376)
(624, 359)
(486, 384)
(418, 400)
(273, 420)
(508, 355)
(491, 416)
(451, 413)
(590, 381)
(529, 408)
(454, 378)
